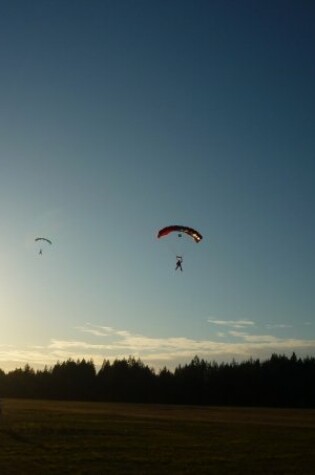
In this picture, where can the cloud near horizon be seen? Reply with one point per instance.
(108, 343)
(232, 323)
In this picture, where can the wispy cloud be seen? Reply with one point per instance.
(232, 323)
(64, 345)
(278, 325)
(255, 338)
(97, 331)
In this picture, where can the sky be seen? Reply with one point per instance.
(120, 117)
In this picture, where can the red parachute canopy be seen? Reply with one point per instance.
(180, 229)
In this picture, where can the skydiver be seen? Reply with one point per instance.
(179, 261)
(40, 252)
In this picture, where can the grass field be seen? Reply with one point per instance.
(50, 437)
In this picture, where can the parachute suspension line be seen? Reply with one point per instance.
(176, 249)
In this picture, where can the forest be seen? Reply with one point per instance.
(279, 381)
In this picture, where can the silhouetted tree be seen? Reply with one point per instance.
(126, 380)
(74, 379)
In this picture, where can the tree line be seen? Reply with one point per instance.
(279, 381)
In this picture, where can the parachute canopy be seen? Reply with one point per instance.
(180, 229)
(43, 239)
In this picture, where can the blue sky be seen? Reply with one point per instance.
(119, 117)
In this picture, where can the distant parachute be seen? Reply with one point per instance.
(180, 229)
(42, 239)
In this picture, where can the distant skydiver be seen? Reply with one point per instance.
(179, 261)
